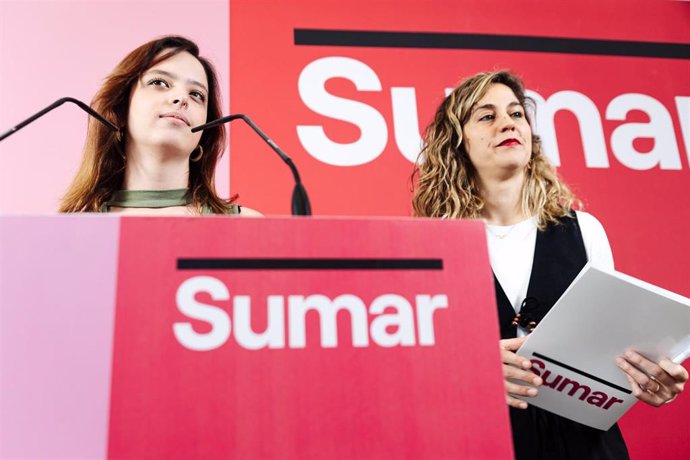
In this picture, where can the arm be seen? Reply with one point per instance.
(596, 242)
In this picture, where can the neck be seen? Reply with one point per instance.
(502, 199)
(155, 170)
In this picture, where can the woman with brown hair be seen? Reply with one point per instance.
(154, 164)
(482, 160)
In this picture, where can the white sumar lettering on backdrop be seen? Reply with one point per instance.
(374, 127)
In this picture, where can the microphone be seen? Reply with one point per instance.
(300, 200)
(55, 104)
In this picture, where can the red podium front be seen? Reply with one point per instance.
(303, 339)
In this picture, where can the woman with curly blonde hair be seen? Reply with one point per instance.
(482, 160)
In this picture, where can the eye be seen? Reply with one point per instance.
(158, 82)
(487, 117)
(517, 114)
(198, 95)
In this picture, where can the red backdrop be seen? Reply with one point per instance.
(635, 179)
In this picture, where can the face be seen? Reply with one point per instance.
(167, 101)
(497, 136)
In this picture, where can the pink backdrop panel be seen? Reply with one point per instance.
(53, 49)
(57, 311)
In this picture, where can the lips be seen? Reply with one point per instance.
(509, 142)
(177, 116)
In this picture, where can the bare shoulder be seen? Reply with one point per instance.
(249, 212)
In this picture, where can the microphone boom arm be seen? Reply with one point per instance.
(300, 200)
(55, 104)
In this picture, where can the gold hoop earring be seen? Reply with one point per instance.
(201, 154)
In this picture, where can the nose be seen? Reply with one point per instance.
(507, 122)
(182, 101)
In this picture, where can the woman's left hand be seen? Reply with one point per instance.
(653, 383)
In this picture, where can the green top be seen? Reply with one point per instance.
(156, 199)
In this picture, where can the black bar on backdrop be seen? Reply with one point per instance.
(438, 40)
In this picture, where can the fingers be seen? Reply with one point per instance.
(639, 377)
(653, 383)
(515, 369)
(647, 367)
(513, 388)
(508, 357)
(521, 375)
(508, 346)
(516, 403)
(679, 375)
(644, 395)
(676, 371)
(512, 344)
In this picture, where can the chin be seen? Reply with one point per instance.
(173, 150)
(183, 144)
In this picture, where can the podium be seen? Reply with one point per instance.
(215, 337)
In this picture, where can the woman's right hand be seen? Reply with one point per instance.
(516, 367)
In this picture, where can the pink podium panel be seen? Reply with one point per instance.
(57, 312)
(248, 339)
(306, 339)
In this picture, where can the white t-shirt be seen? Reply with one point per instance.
(511, 253)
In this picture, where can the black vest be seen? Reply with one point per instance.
(559, 256)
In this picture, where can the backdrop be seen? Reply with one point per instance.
(347, 88)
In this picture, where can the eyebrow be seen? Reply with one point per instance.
(175, 77)
(493, 107)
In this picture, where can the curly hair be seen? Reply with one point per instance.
(103, 165)
(446, 183)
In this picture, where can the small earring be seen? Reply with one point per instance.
(119, 136)
(201, 153)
